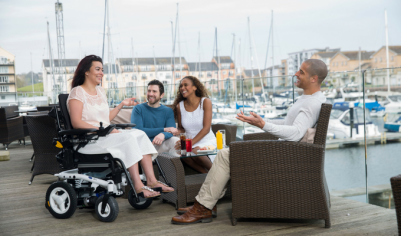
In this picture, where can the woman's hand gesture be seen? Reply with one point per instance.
(129, 102)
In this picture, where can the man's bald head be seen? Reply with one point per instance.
(317, 67)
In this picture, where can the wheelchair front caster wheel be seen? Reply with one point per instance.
(110, 212)
(143, 202)
(61, 200)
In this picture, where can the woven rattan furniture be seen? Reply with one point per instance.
(231, 131)
(42, 129)
(11, 126)
(186, 184)
(280, 179)
(396, 188)
(186, 181)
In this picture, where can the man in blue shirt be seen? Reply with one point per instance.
(156, 120)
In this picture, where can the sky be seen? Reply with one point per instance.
(297, 25)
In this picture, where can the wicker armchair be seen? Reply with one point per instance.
(183, 179)
(42, 129)
(11, 126)
(396, 187)
(280, 179)
(231, 131)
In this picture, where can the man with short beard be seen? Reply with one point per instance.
(156, 120)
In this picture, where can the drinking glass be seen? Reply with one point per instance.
(183, 141)
(188, 145)
(223, 134)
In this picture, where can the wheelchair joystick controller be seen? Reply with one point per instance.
(101, 126)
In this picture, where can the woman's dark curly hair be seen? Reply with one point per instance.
(83, 66)
(200, 91)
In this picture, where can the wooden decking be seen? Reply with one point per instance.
(23, 212)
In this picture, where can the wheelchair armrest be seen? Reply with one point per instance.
(125, 125)
(76, 131)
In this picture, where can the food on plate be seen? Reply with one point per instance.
(210, 147)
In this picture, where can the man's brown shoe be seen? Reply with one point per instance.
(181, 211)
(196, 214)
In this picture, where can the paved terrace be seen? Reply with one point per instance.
(23, 212)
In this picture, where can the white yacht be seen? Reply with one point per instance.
(339, 123)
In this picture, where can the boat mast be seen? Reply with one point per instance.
(218, 65)
(55, 87)
(235, 60)
(257, 61)
(387, 56)
(154, 62)
(133, 65)
(250, 49)
(271, 80)
(172, 59)
(199, 69)
(179, 42)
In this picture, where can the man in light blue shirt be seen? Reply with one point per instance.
(156, 120)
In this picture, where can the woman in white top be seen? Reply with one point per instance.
(87, 105)
(193, 110)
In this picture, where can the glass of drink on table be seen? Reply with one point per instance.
(183, 141)
(188, 145)
(223, 133)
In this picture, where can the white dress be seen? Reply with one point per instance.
(192, 122)
(129, 145)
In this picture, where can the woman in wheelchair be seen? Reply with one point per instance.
(87, 105)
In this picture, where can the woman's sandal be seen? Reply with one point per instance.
(140, 192)
(159, 182)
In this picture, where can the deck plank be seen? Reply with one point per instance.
(22, 212)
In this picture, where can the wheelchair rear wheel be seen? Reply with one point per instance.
(143, 202)
(110, 212)
(61, 200)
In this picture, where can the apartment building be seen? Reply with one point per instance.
(8, 87)
(325, 57)
(379, 60)
(138, 72)
(295, 59)
(61, 80)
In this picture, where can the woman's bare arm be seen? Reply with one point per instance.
(180, 128)
(76, 108)
(207, 121)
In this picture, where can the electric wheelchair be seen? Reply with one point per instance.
(89, 181)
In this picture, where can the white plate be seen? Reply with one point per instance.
(205, 151)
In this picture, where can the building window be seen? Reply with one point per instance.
(231, 73)
(126, 75)
(113, 85)
(130, 84)
(3, 97)
(225, 66)
(200, 74)
(392, 58)
(145, 68)
(209, 74)
(380, 59)
(133, 77)
(4, 88)
(177, 75)
(4, 79)
(334, 64)
(3, 69)
(143, 76)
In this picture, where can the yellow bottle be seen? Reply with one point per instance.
(219, 140)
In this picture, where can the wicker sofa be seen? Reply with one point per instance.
(11, 126)
(280, 179)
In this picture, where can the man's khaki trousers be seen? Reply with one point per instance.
(214, 186)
